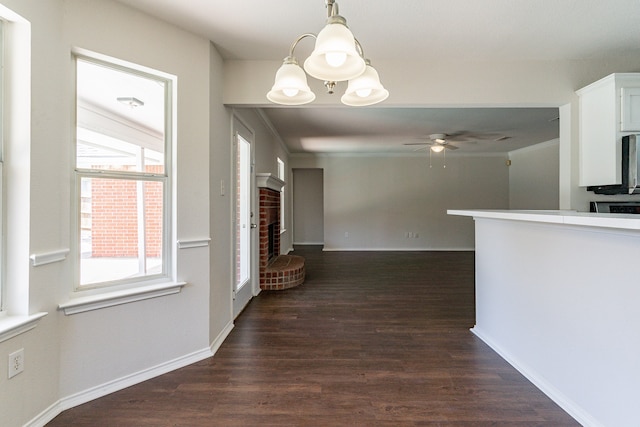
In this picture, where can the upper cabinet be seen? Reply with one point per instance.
(609, 109)
(630, 109)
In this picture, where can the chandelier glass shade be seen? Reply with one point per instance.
(337, 57)
(365, 89)
(291, 86)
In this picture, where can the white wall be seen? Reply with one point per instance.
(70, 359)
(377, 200)
(534, 177)
(463, 83)
(220, 205)
(268, 148)
(27, 394)
(137, 334)
(563, 309)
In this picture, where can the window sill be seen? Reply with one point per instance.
(110, 299)
(11, 326)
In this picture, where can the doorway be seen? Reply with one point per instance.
(244, 221)
(308, 206)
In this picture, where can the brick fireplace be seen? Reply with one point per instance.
(269, 219)
(277, 271)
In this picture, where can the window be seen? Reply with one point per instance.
(122, 173)
(15, 170)
(2, 192)
(281, 176)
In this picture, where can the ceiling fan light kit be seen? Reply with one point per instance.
(337, 56)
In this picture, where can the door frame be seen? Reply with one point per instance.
(241, 297)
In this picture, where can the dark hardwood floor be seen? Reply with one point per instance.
(370, 339)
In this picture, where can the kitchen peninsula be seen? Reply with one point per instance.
(558, 297)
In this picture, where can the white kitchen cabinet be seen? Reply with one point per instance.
(630, 109)
(609, 109)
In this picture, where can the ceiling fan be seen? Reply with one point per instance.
(440, 141)
(437, 141)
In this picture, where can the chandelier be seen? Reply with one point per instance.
(337, 57)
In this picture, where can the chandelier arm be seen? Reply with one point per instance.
(295, 43)
(359, 48)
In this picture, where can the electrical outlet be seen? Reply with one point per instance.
(16, 363)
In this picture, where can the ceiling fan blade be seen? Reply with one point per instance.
(417, 143)
(473, 138)
(450, 147)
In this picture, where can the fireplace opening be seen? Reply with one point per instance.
(271, 245)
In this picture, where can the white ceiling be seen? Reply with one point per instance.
(387, 130)
(445, 29)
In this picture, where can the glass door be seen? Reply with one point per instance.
(244, 221)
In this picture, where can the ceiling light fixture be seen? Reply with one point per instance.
(437, 148)
(130, 101)
(337, 56)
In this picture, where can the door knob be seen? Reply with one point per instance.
(254, 225)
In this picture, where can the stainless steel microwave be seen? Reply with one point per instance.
(630, 168)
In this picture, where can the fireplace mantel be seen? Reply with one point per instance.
(268, 180)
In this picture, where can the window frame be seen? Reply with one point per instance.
(2, 180)
(166, 178)
(16, 317)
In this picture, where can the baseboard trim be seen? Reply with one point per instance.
(45, 416)
(413, 249)
(217, 342)
(127, 381)
(568, 405)
(132, 379)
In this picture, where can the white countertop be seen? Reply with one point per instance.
(589, 219)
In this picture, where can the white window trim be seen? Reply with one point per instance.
(12, 326)
(48, 257)
(107, 294)
(113, 298)
(2, 189)
(15, 319)
(3, 264)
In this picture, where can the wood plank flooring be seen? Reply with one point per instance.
(370, 339)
